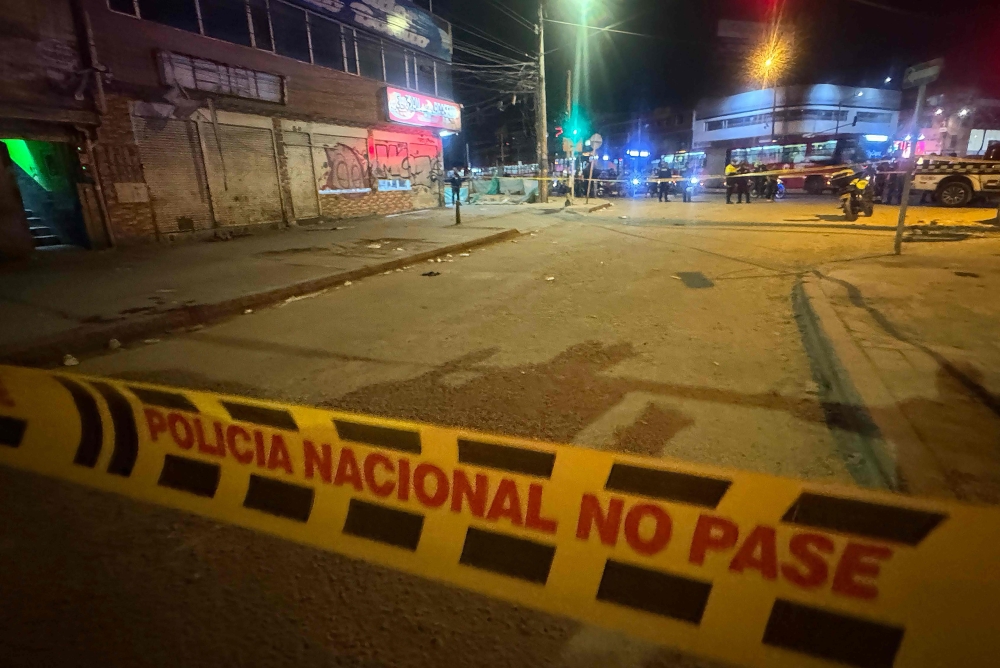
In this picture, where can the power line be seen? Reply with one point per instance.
(514, 15)
(595, 28)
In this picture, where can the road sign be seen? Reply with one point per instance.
(596, 141)
(923, 74)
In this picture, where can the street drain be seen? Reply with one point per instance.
(695, 279)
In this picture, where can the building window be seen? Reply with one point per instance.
(123, 6)
(395, 64)
(874, 117)
(174, 13)
(349, 51)
(226, 20)
(291, 33)
(278, 27)
(442, 72)
(370, 58)
(328, 49)
(212, 77)
(261, 23)
(425, 75)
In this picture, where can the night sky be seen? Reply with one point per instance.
(837, 41)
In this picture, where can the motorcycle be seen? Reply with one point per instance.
(858, 197)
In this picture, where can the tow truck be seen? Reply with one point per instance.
(955, 182)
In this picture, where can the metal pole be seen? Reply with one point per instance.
(774, 111)
(905, 202)
(590, 180)
(572, 149)
(468, 162)
(542, 113)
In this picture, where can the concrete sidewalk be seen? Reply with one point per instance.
(64, 302)
(918, 336)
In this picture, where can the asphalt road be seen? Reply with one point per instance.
(658, 339)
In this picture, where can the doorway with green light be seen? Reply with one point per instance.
(46, 176)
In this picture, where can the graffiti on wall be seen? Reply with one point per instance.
(342, 165)
(420, 164)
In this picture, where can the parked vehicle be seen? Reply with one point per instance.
(956, 182)
(858, 197)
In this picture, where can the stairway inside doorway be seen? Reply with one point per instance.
(46, 176)
(44, 235)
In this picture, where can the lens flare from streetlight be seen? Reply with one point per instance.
(770, 61)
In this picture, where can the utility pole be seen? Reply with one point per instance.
(572, 144)
(503, 154)
(905, 201)
(542, 113)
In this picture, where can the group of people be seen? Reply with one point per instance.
(740, 179)
(668, 183)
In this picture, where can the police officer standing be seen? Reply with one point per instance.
(664, 186)
(732, 172)
(743, 184)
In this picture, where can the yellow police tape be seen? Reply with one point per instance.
(786, 173)
(747, 568)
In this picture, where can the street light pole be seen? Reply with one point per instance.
(905, 201)
(541, 113)
(570, 154)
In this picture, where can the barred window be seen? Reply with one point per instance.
(212, 77)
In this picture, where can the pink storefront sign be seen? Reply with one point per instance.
(412, 108)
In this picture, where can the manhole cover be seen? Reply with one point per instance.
(695, 279)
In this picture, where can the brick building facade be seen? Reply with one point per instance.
(187, 117)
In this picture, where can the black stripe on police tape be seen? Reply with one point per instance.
(654, 591)
(91, 429)
(278, 418)
(862, 518)
(507, 555)
(667, 485)
(172, 400)
(832, 636)
(190, 475)
(12, 431)
(282, 499)
(384, 525)
(126, 449)
(383, 437)
(506, 458)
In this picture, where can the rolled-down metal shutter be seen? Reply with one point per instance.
(244, 177)
(174, 170)
(301, 175)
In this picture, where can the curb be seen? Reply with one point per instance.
(904, 451)
(82, 340)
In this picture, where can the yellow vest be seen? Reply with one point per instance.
(730, 170)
